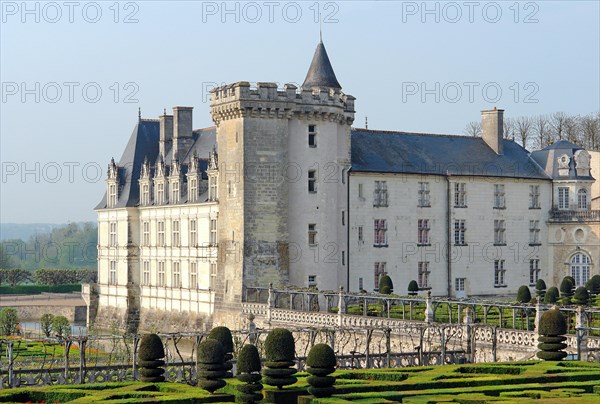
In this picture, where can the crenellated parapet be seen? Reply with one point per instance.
(267, 101)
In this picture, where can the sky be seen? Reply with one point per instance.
(74, 74)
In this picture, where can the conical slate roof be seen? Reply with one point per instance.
(320, 73)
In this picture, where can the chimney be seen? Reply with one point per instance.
(492, 129)
(166, 133)
(182, 131)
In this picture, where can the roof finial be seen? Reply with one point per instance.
(320, 30)
(139, 113)
(164, 111)
(366, 122)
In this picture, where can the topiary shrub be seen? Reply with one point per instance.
(523, 294)
(248, 369)
(540, 289)
(551, 295)
(593, 286)
(551, 338)
(211, 365)
(223, 335)
(280, 352)
(321, 363)
(413, 288)
(150, 354)
(386, 286)
(566, 289)
(581, 296)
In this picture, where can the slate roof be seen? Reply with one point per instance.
(417, 153)
(320, 72)
(547, 158)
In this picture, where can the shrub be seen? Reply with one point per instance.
(223, 335)
(8, 321)
(386, 286)
(211, 364)
(551, 295)
(593, 285)
(321, 363)
(248, 366)
(540, 289)
(566, 289)
(150, 353)
(61, 326)
(581, 296)
(551, 340)
(280, 353)
(523, 294)
(413, 288)
(46, 323)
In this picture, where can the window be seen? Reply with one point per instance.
(213, 273)
(213, 232)
(193, 275)
(175, 238)
(460, 195)
(360, 284)
(312, 281)
(146, 233)
(343, 218)
(312, 181)
(459, 284)
(161, 234)
(112, 195)
(380, 194)
(212, 188)
(360, 191)
(380, 233)
(423, 231)
(193, 185)
(499, 273)
(112, 274)
(534, 232)
(176, 275)
(343, 258)
(580, 269)
(378, 271)
(582, 199)
(499, 229)
(113, 234)
(145, 194)
(424, 194)
(423, 278)
(534, 271)
(360, 234)
(193, 233)
(460, 230)
(534, 197)
(499, 200)
(146, 273)
(312, 234)
(161, 274)
(160, 193)
(175, 192)
(312, 135)
(563, 198)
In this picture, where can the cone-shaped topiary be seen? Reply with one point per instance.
(551, 338)
(211, 364)
(150, 354)
(280, 351)
(413, 288)
(223, 335)
(523, 294)
(593, 285)
(321, 362)
(551, 295)
(581, 296)
(248, 369)
(566, 289)
(540, 289)
(386, 286)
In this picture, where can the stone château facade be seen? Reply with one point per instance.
(283, 190)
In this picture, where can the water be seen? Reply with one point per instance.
(33, 327)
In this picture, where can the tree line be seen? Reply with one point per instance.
(539, 131)
(47, 276)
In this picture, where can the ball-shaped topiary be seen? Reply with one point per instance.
(523, 294)
(321, 363)
(566, 289)
(581, 296)
(280, 353)
(551, 338)
(413, 288)
(223, 335)
(248, 368)
(540, 289)
(150, 354)
(551, 295)
(211, 364)
(386, 286)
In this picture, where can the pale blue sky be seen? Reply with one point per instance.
(383, 53)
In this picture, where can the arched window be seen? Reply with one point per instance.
(580, 269)
(582, 199)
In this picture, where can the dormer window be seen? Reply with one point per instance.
(160, 193)
(175, 191)
(582, 199)
(193, 189)
(112, 195)
(145, 194)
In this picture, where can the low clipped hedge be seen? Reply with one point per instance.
(38, 289)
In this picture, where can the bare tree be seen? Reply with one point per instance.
(590, 128)
(523, 128)
(541, 128)
(572, 129)
(509, 128)
(557, 123)
(473, 128)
